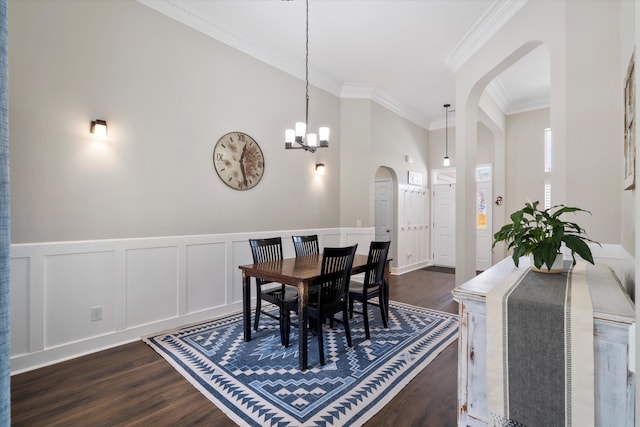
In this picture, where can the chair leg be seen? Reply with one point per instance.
(365, 315)
(258, 307)
(320, 341)
(282, 322)
(383, 307)
(347, 329)
(286, 323)
(350, 308)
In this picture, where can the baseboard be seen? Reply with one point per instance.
(408, 268)
(30, 361)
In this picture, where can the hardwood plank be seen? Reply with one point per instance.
(132, 385)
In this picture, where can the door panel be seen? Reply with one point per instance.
(382, 210)
(444, 230)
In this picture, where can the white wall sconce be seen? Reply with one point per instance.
(99, 129)
(319, 168)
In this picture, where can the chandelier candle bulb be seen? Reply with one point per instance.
(312, 140)
(301, 128)
(289, 137)
(324, 136)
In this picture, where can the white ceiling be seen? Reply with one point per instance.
(400, 53)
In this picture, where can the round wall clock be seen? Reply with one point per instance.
(238, 160)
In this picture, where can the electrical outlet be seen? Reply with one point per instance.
(96, 313)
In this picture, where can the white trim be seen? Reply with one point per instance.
(498, 13)
(187, 278)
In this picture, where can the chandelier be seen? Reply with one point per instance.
(295, 138)
(446, 161)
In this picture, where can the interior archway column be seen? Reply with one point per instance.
(466, 148)
(495, 120)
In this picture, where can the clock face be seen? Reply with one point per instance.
(238, 160)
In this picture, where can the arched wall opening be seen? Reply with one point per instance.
(469, 111)
(385, 208)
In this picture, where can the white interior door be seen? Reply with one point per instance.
(444, 226)
(383, 210)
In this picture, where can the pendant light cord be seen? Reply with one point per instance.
(307, 68)
(446, 130)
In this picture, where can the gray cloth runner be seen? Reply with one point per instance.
(533, 316)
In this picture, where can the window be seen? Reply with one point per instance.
(547, 150)
(547, 194)
(547, 168)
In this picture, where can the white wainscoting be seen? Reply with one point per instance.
(142, 286)
(413, 229)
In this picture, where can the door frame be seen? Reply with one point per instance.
(393, 200)
(450, 176)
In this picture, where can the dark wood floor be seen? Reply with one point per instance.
(132, 385)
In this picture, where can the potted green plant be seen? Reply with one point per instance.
(541, 233)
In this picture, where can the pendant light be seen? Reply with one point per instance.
(446, 161)
(295, 138)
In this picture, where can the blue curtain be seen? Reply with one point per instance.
(5, 239)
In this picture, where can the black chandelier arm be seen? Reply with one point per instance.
(301, 146)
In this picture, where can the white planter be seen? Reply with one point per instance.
(557, 266)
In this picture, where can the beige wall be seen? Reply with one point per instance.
(593, 167)
(583, 39)
(525, 158)
(437, 149)
(168, 93)
(374, 136)
(437, 139)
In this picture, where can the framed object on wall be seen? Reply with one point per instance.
(630, 126)
(414, 178)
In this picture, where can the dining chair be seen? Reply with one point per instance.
(329, 297)
(306, 245)
(264, 250)
(373, 285)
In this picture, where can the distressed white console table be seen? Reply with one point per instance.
(614, 313)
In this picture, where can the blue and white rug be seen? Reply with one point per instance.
(258, 383)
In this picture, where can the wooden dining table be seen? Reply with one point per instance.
(301, 273)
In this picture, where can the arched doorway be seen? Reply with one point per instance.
(384, 207)
(468, 111)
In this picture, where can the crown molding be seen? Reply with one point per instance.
(363, 91)
(441, 122)
(531, 105)
(356, 91)
(499, 94)
(187, 15)
(394, 107)
(508, 105)
(498, 13)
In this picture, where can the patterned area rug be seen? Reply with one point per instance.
(258, 383)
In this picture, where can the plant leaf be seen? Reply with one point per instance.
(578, 245)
